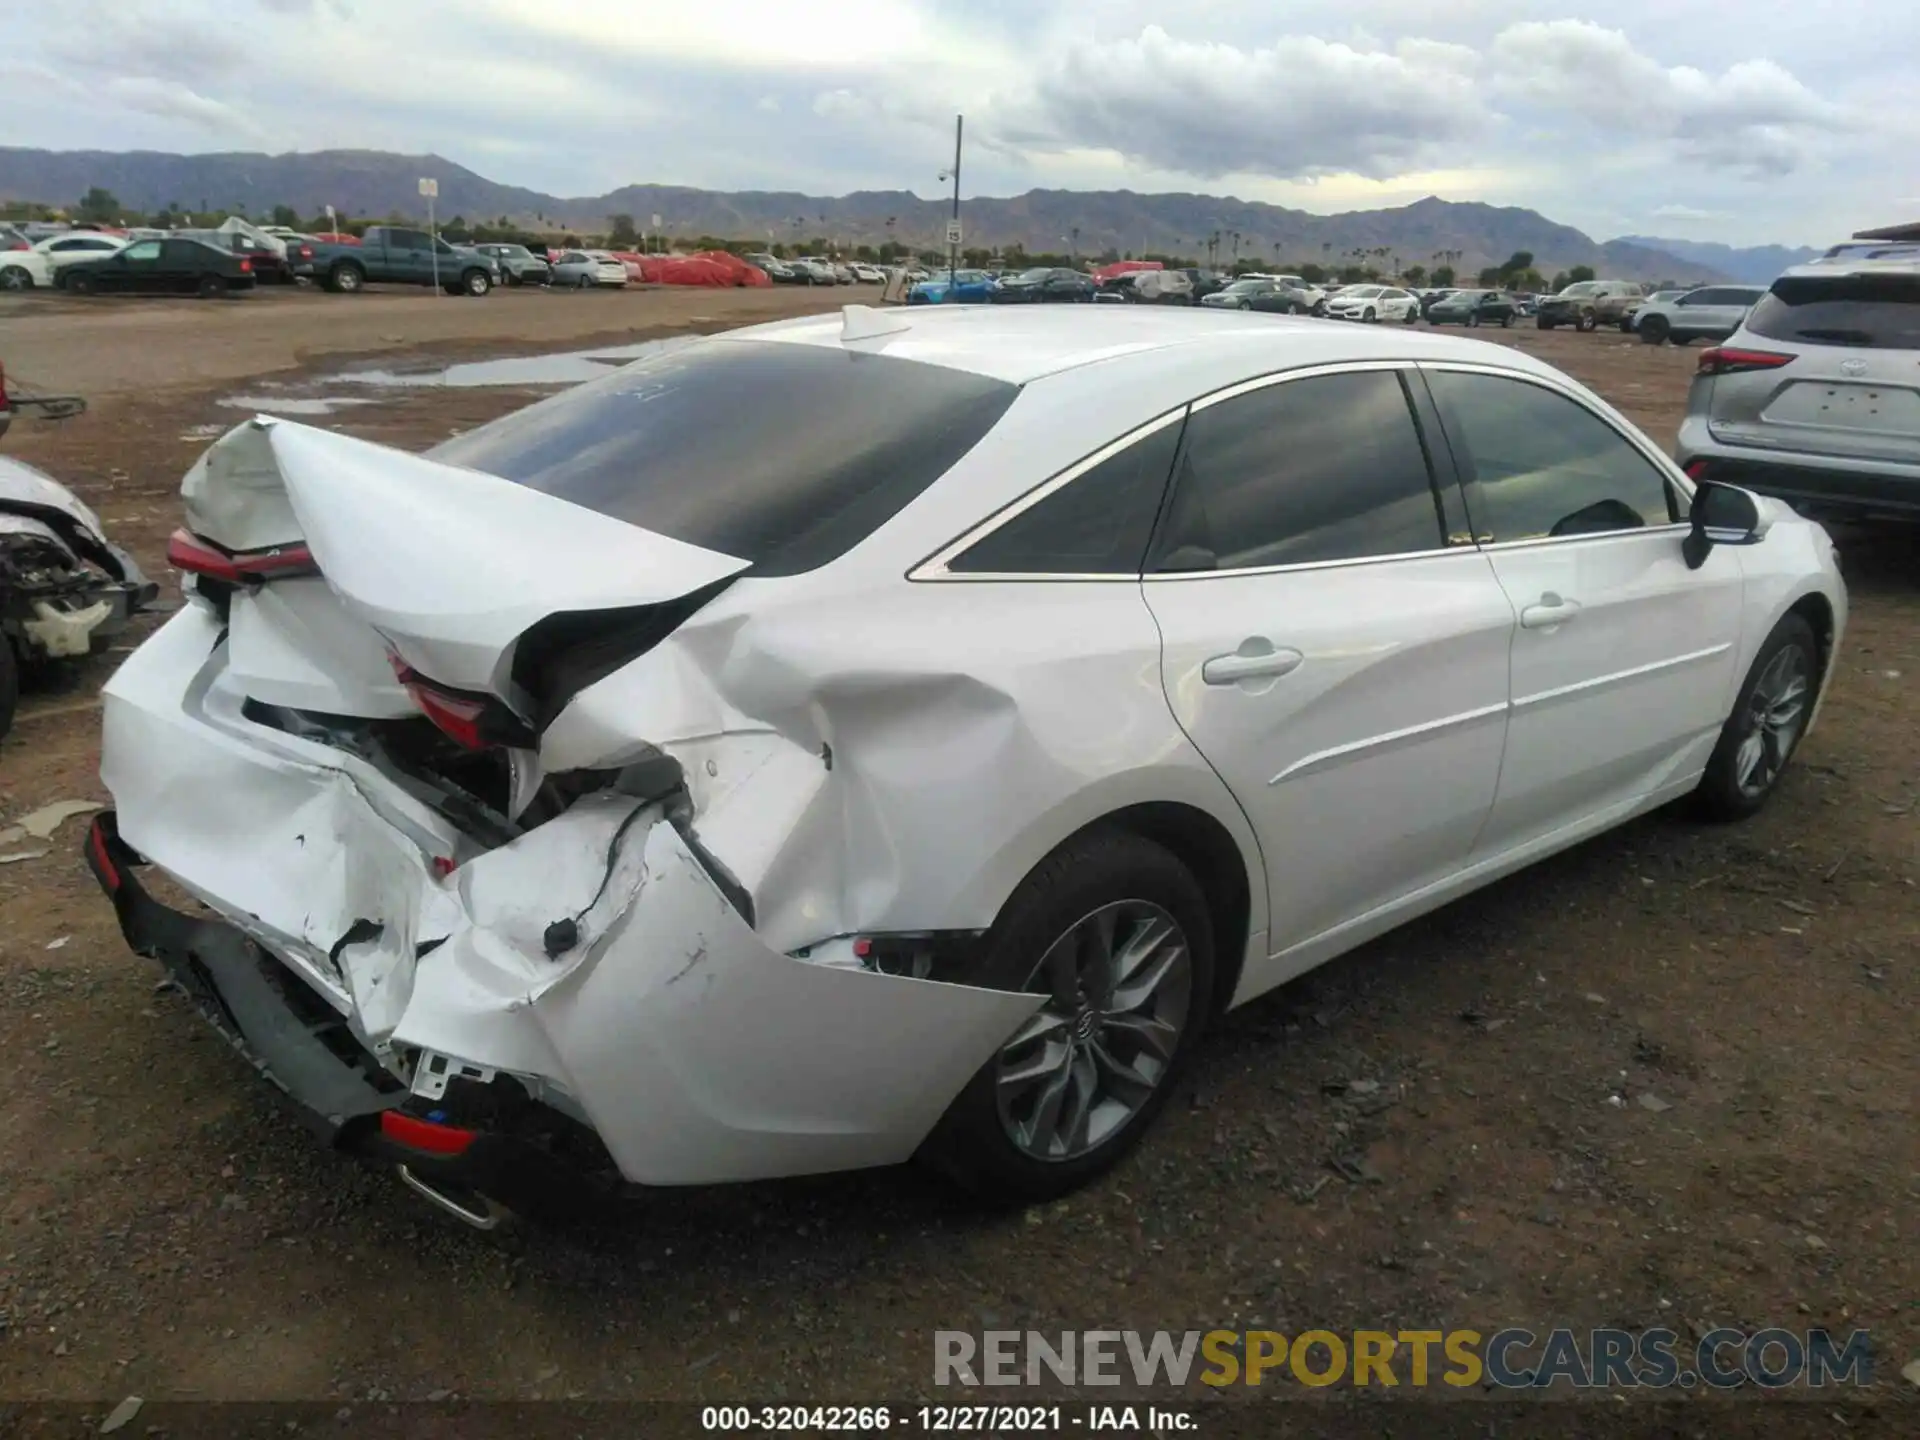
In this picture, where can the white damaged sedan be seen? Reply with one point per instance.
(878, 735)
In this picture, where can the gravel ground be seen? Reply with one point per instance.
(1419, 1135)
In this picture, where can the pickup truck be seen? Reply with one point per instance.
(397, 255)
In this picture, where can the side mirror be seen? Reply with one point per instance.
(1721, 515)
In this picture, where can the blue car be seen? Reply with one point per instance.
(969, 287)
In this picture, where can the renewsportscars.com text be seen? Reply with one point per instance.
(1509, 1359)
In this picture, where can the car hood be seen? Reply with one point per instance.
(35, 495)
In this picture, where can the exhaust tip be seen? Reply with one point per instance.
(469, 1207)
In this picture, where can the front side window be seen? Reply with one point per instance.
(781, 455)
(1538, 465)
(1098, 523)
(1321, 469)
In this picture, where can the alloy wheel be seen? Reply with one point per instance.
(1776, 711)
(1119, 986)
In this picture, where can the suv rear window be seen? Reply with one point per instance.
(782, 455)
(1875, 312)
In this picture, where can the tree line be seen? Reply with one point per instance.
(1376, 264)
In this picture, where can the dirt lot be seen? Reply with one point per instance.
(163, 1232)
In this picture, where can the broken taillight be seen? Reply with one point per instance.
(473, 722)
(187, 551)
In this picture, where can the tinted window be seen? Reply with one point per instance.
(1097, 524)
(1539, 465)
(783, 455)
(1329, 468)
(1879, 312)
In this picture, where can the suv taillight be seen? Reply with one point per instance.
(1727, 360)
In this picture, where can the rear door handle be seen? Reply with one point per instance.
(1256, 659)
(1549, 610)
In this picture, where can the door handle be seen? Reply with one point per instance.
(1549, 610)
(1256, 659)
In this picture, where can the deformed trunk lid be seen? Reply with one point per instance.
(450, 566)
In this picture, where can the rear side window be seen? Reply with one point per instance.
(1874, 312)
(1098, 523)
(1327, 468)
(782, 455)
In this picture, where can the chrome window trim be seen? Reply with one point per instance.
(934, 568)
(1663, 463)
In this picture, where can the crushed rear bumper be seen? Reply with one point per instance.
(292, 1039)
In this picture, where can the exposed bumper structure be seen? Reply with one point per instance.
(694, 1051)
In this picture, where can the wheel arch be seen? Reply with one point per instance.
(1221, 863)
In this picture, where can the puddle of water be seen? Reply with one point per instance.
(289, 405)
(572, 367)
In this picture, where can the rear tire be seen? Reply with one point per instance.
(1769, 717)
(347, 279)
(1506, 322)
(1054, 913)
(15, 277)
(1588, 322)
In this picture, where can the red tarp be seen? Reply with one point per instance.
(713, 268)
(1122, 267)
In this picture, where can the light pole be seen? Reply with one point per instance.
(953, 225)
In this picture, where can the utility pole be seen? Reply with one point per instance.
(953, 230)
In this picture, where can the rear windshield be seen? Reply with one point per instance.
(1874, 312)
(782, 455)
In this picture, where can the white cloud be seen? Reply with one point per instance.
(1685, 212)
(1295, 109)
(1754, 116)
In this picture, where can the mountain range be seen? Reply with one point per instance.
(378, 184)
(1756, 265)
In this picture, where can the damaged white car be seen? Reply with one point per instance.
(65, 588)
(854, 738)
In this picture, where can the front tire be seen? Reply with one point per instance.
(212, 287)
(1588, 322)
(1367, 316)
(1115, 931)
(476, 283)
(1654, 329)
(1768, 720)
(81, 284)
(14, 277)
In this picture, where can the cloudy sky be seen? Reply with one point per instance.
(1747, 121)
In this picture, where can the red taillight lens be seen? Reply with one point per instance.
(1696, 469)
(246, 266)
(425, 1134)
(187, 551)
(473, 722)
(1726, 360)
(306, 252)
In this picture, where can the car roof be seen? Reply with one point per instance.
(1019, 343)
